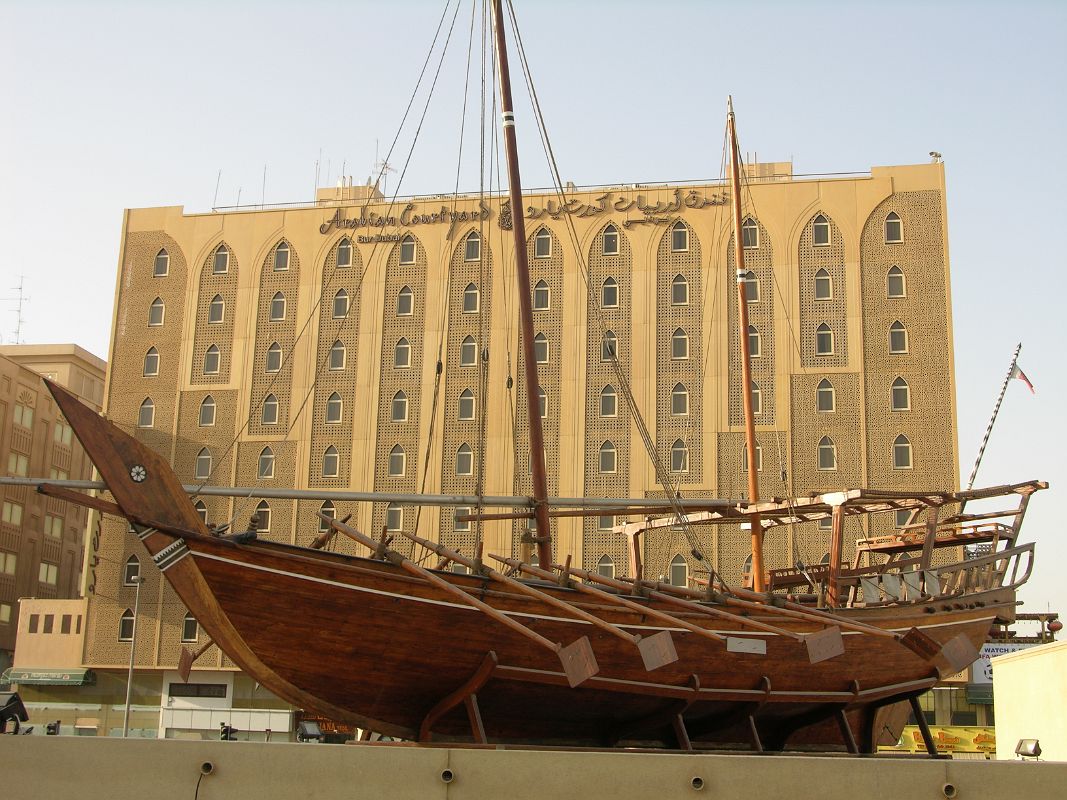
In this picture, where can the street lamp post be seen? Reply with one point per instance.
(133, 650)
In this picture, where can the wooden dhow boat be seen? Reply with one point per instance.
(552, 654)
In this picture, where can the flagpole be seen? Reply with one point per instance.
(989, 428)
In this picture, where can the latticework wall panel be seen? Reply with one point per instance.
(268, 331)
(761, 315)
(814, 312)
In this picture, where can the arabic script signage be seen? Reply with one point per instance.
(653, 214)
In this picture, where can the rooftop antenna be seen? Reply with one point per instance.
(215, 202)
(381, 167)
(18, 309)
(263, 192)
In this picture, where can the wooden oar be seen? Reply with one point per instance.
(578, 661)
(187, 658)
(656, 651)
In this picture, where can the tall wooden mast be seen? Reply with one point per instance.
(522, 266)
(746, 366)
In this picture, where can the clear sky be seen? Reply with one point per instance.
(109, 105)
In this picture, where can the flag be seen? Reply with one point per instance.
(1018, 373)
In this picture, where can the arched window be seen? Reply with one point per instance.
(472, 247)
(827, 453)
(340, 304)
(281, 257)
(679, 237)
(824, 340)
(609, 293)
(274, 358)
(220, 264)
(543, 244)
(329, 511)
(679, 456)
(151, 363)
(202, 469)
(201, 509)
(270, 410)
(824, 285)
(405, 302)
(679, 571)
(394, 517)
(334, 408)
(754, 350)
(749, 234)
(542, 402)
(470, 299)
(407, 250)
(541, 348)
(131, 571)
(207, 412)
(146, 415)
(263, 514)
(266, 463)
(900, 395)
(212, 360)
(190, 628)
(466, 404)
(751, 287)
(126, 626)
(680, 400)
(468, 352)
(156, 313)
(894, 229)
(757, 399)
(896, 283)
(679, 344)
(541, 296)
(825, 397)
(820, 231)
(337, 356)
(611, 241)
(330, 462)
(277, 307)
(399, 412)
(464, 460)
(607, 458)
(759, 458)
(402, 354)
(609, 401)
(898, 338)
(609, 347)
(679, 291)
(901, 452)
(216, 310)
(162, 265)
(605, 567)
(344, 253)
(397, 461)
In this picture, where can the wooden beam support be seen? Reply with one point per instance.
(466, 694)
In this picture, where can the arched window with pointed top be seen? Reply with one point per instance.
(757, 399)
(609, 293)
(146, 414)
(679, 291)
(679, 456)
(270, 410)
(207, 412)
(161, 267)
(609, 348)
(679, 575)
(540, 348)
(397, 462)
(344, 253)
(902, 452)
(266, 463)
(827, 454)
(334, 409)
(679, 345)
(151, 363)
(405, 302)
(900, 395)
(337, 356)
(543, 243)
(220, 263)
(340, 304)
(468, 352)
(605, 567)
(330, 462)
(896, 284)
(542, 402)
(201, 509)
(824, 285)
(465, 409)
(327, 510)
(464, 460)
(156, 313)
(679, 237)
(470, 299)
(126, 624)
(277, 307)
(825, 396)
(608, 458)
(751, 287)
(212, 360)
(759, 457)
(680, 400)
(824, 340)
(894, 228)
(202, 467)
(542, 296)
(402, 354)
(407, 250)
(131, 571)
(611, 241)
(820, 231)
(263, 514)
(472, 247)
(274, 358)
(399, 407)
(281, 257)
(749, 234)
(898, 338)
(190, 628)
(754, 342)
(609, 401)
(216, 310)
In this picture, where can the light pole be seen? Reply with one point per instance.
(133, 650)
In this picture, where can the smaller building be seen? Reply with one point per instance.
(1031, 688)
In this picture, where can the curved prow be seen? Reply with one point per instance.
(142, 482)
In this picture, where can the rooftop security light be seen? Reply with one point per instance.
(1028, 748)
(308, 731)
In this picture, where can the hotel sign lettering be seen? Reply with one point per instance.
(408, 218)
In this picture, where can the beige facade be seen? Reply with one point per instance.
(358, 344)
(41, 538)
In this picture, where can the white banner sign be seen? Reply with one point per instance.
(982, 670)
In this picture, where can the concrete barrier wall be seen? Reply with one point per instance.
(105, 769)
